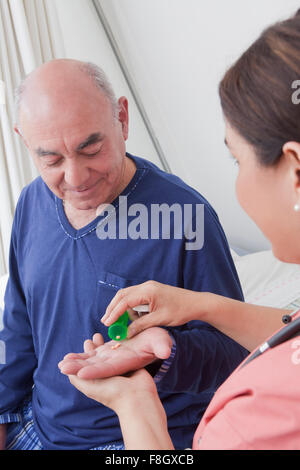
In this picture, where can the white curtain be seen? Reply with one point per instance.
(29, 36)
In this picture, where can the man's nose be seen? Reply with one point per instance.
(76, 174)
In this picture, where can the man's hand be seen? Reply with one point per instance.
(2, 436)
(117, 357)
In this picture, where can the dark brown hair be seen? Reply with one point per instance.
(256, 92)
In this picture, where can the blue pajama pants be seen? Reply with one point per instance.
(23, 436)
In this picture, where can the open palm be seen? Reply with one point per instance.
(107, 359)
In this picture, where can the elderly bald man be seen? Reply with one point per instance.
(63, 276)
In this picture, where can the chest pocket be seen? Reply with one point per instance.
(107, 286)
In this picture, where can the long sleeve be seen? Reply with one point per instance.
(16, 374)
(204, 356)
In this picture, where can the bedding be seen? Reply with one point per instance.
(267, 281)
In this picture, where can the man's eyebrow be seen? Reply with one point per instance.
(92, 139)
(43, 153)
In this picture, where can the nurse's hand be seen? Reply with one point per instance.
(116, 392)
(101, 360)
(168, 306)
(135, 400)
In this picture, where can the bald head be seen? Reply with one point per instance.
(63, 81)
(75, 139)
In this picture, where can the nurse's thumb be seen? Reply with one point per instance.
(141, 324)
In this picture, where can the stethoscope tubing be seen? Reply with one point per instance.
(291, 330)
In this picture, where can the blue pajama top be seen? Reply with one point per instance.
(61, 281)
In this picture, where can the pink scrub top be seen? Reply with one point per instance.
(258, 406)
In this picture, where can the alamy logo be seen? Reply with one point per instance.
(296, 94)
(296, 354)
(155, 222)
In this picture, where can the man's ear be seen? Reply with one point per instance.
(291, 152)
(123, 116)
(17, 130)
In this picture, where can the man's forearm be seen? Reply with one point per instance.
(144, 424)
(249, 325)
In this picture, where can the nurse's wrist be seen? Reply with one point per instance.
(204, 306)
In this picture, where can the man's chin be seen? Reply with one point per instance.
(83, 201)
(83, 205)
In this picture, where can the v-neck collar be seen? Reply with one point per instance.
(74, 233)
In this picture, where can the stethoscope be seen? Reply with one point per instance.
(290, 331)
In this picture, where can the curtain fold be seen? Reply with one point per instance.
(29, 36)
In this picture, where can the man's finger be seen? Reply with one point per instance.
(70, 367)
(96, 372)
(89, 346)
(98, 340)
(72, 356)
(162, 350)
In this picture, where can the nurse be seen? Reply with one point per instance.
(258, 406)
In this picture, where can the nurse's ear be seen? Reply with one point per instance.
(291, 154)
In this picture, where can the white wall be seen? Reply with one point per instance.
(179, 50)
(84, 39)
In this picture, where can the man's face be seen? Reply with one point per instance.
(78, 147)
